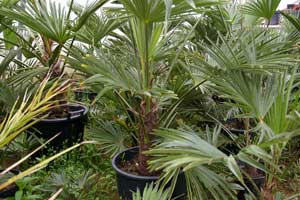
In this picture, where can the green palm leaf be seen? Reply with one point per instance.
(151, 192)
(199, 160)
(111, 138)
(49, 18)
(245, 68)
(50, 22)
(261, 8)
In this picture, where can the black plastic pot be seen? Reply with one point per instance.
(128, 183)
(10, 190)
(71, 128)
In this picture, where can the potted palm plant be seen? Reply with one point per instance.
(139, 75)
(51, 29)
(255, 70)
(249, 70)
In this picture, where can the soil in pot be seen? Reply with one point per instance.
(234, 124)
(128, 179)
(11, 189)
(69, 121)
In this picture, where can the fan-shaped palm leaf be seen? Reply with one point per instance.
(245, 68)
(49, 18)
(261, 8)
(202, 163)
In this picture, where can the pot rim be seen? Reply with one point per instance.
(84, 113)
(118, 170)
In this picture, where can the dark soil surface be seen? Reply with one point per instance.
(253, 172)
(234, 124)
(59, 112)
(131, 167)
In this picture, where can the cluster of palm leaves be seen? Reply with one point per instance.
(157, 66)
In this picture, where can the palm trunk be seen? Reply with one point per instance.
(148, 123)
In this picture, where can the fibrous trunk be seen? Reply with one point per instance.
(148, 122)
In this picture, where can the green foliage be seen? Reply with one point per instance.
(155, 64)
(50, 20)
(82, 174)
(110, 138)
(201, 162)
(26, 189)
(151, 192)
(261, 8)
(253, 60)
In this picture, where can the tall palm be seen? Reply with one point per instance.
(149, 46)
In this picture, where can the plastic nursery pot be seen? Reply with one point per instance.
(128, 183)
(10, 190)
(71, 128)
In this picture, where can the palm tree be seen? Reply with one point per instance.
(51, 27)
(149, 53)
(256, 69)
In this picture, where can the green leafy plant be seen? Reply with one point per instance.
(246, 69)
(26, 190)
(79, 174)
(151, 192)
(21, 119)
(261, 8)
(139, 73)
(207, 169)
(52, 27)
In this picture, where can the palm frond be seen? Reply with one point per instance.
(49, 21)
(261, 8)
(199, 160)
(245, 68)
(111, 138)
(151, 192)
(84, 15)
